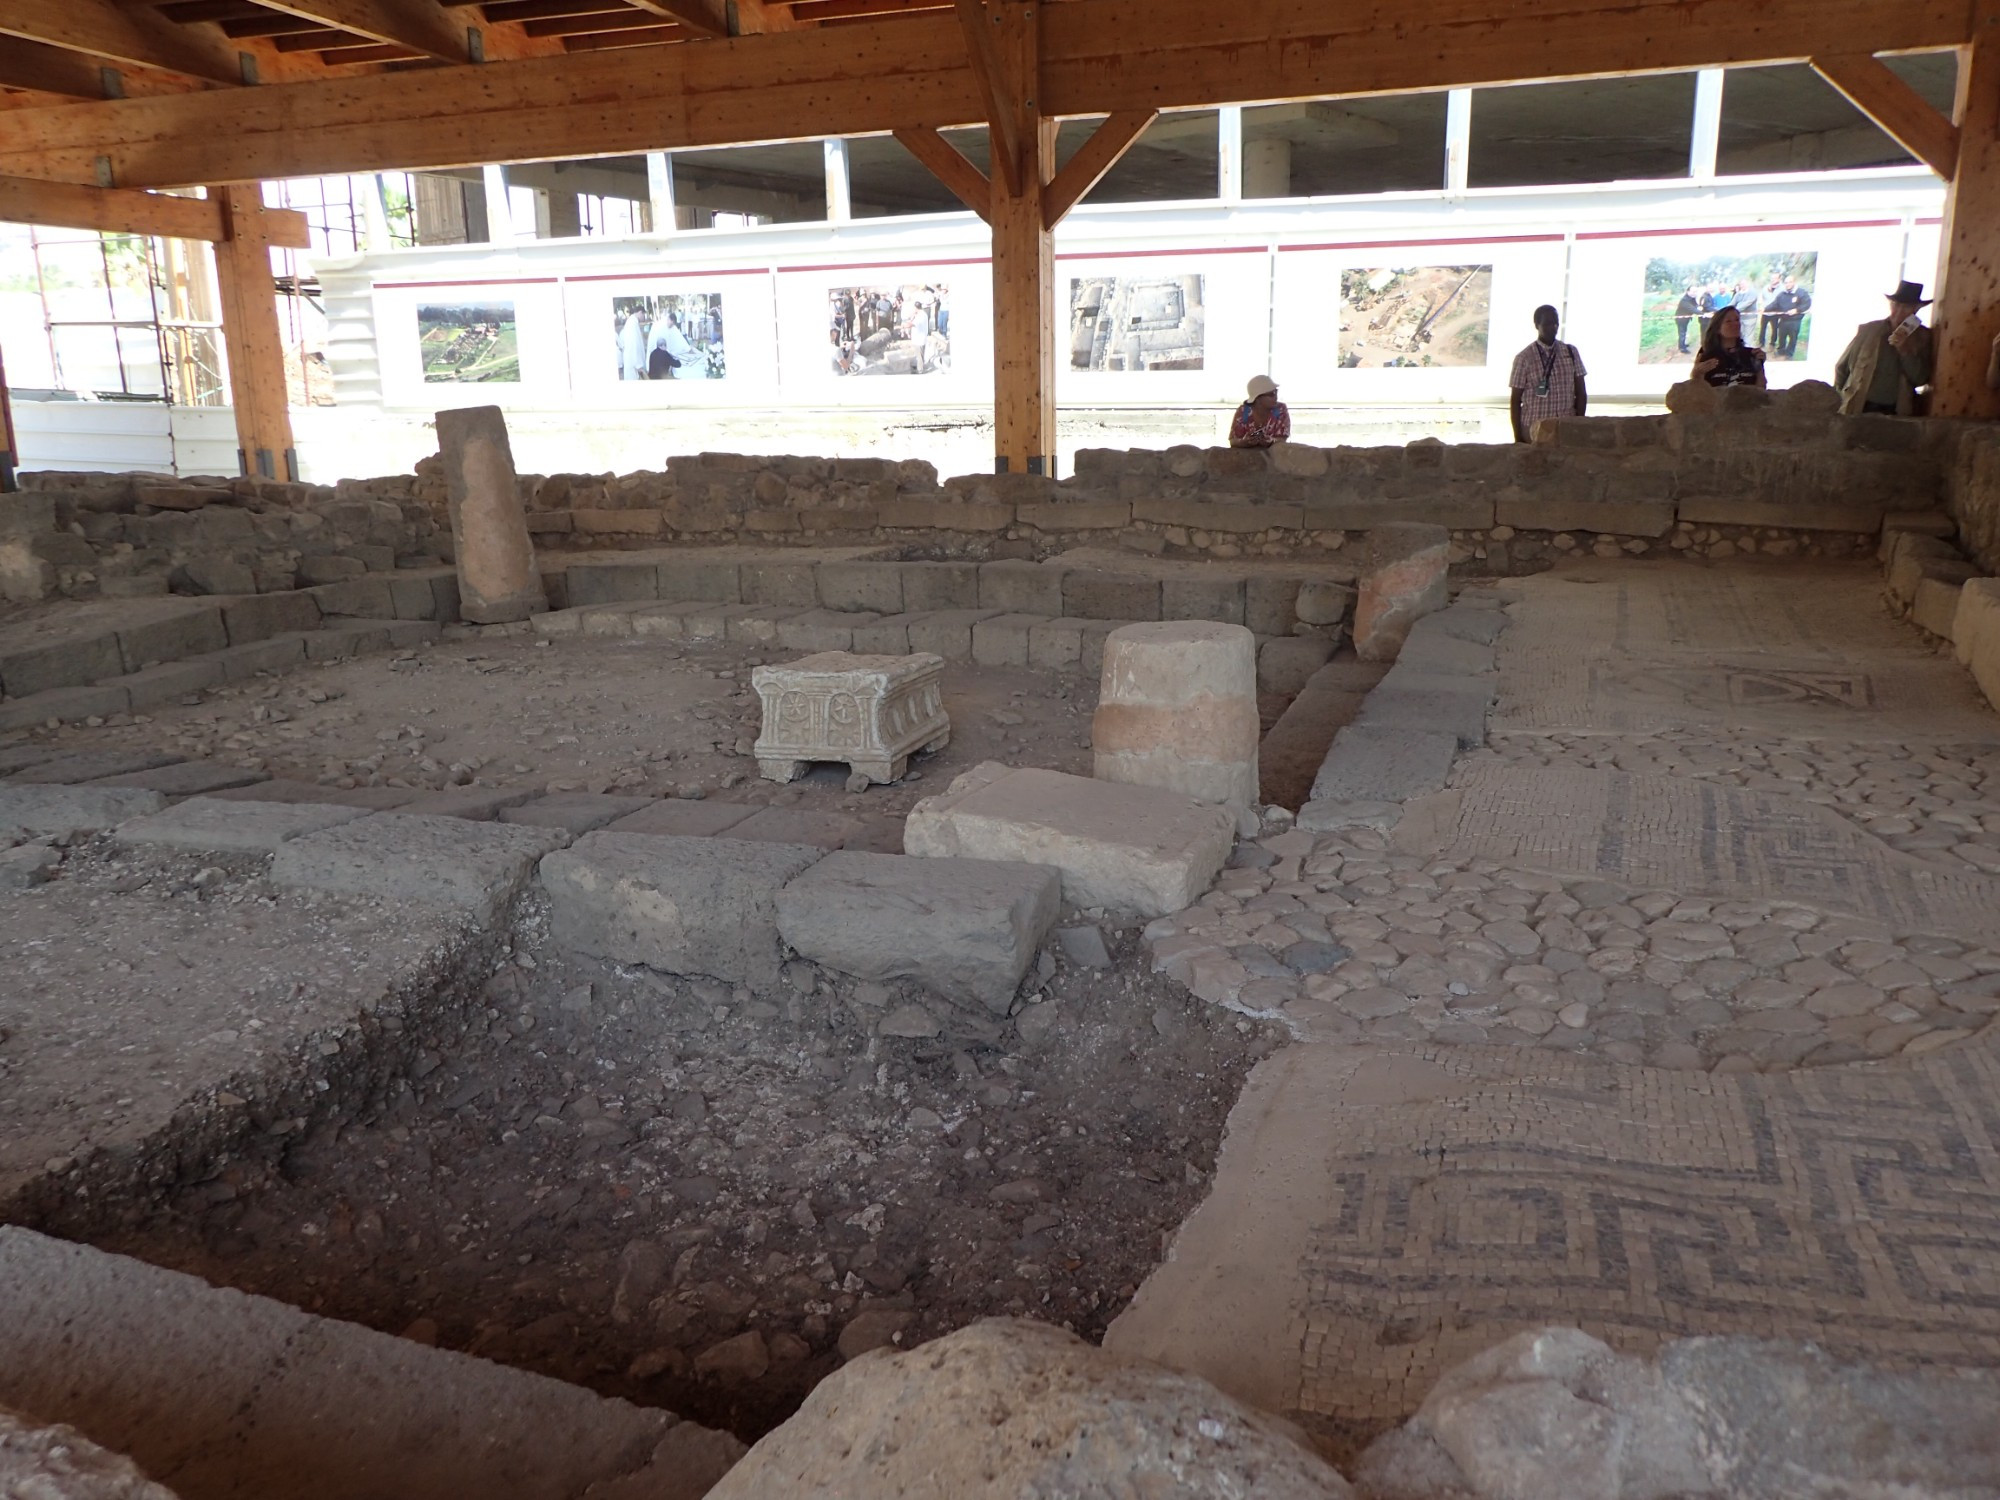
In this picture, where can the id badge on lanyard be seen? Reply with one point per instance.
(1548, 364)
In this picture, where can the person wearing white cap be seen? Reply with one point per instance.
(1262, 420)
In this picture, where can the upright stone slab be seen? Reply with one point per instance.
(1131, 848)
(1177, 708)
(1402, 580)
(966, 928)
(497, 577)
(679, 905)
(870, 713)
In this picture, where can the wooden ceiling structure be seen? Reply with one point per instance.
(103, 101)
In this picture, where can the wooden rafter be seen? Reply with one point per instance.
(56, 70)
(1904, 114)
(63, 205)
(416, 24)
(1097, 57)
(1003, 114)
(1098, 155)
(139, 36)
(949, 165)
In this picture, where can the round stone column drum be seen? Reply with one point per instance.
(1177, 709)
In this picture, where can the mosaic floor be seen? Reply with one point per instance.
(1383, 1210)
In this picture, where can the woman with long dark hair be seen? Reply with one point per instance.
(1724, 359)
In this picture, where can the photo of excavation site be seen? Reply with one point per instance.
(469, 344)
(890, 330)
(1414, 317)
(1136, 323)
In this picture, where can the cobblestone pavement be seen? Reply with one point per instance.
(1721, 880)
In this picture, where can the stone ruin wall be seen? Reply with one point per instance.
(1772, 474)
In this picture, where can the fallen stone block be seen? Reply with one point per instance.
(678, 817)
(967, 929)
(1011, 1408)
(576, 813)
(213, 826)
(1130, 848)
(478, 867)
(240, 1396)
(92, 765)
(73, 809)
(1372, 764)
(1402, 580)
(1286, 663)
(678, 905)
(188, 778)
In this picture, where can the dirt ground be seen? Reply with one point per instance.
(578, 713)
(695, 1197)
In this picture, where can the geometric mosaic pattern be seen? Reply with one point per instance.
(1857, 1207)
(1680, 834)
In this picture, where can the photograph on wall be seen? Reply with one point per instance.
(468, 343)
(890, 330)
(1137, 323)
(675, 336)
(1772, 293)
(1415, 317)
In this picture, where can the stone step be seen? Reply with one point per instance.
(215, 1393)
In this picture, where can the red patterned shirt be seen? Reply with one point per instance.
(1259, 429)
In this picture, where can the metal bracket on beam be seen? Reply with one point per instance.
(101, 169)
(246, 65)
(475, 44)
(114, 82)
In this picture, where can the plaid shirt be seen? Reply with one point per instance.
(1562, 366)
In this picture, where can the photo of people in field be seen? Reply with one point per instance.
(890, 330)
(1771, 291)
(468, 343)
(1414, 317)
(675, 336)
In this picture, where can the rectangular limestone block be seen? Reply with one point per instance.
(1218, 597)
(677, 817)
(616, 522)
(1976, 634)
(282, 789)
(760, 624)
(481, 804)
(1241, 517)
(1430, 702)
(1270, 603)
(779, 583)
(802, 826)
(823, 629)
(931, 586)
(186, 778)
(575, 813)
(1004, 640)
(1936, 606)
(91, 765)
(366, 598)
(668, 620)
(947, 632)
(73, 809)
(400, 858)
(966, 929)
(679, 580)
(711, 622)
(610, 619)
(613, 583)
(66, 705)
(1021, 587)
(1384, 765)
(1470, 511)
(413, 596)
(1605, 517)
(171, 637)
(214, 826)
(1286, 663)
(678, 905)
(888, 636)
(876, 587)
(1738, 510)
(258, 617)
(1110, 596)
(172, 681)
(336, 642)
(280, 653)
(1068, 645)
(1128, 848)
(60, 664)
(1076, 515)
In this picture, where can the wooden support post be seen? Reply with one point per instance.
(1968, 306)
(250, 334)
(1024, 317)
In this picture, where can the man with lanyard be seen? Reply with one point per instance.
(1547, 380)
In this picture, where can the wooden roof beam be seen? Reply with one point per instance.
(1904, 115)
(419, 25)
(723, 18)
(981, 27)
(63, 205)
(950, 166)
(57, 70)
(138, 36)
(1098, 155)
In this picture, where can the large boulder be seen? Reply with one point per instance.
(60, 1463)
(1010, 1410)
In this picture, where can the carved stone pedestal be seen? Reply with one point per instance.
(871, 713)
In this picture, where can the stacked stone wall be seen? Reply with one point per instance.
(1739, 472)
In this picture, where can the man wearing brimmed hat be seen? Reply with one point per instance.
(1262, 420)
(1887, 360)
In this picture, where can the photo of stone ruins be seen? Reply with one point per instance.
(1414, 971)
